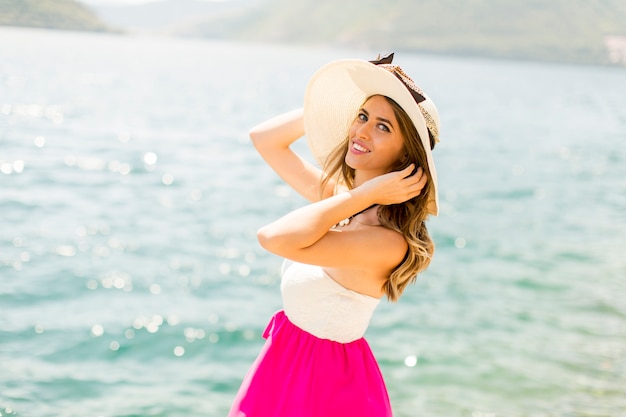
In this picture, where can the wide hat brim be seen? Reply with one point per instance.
(337, 91)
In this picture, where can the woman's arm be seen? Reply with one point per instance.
(273, 138)
(305, 235)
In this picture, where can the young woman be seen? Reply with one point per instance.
(362, 237)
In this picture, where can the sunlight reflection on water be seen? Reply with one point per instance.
(130, 198)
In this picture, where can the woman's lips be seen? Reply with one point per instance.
(359, 148)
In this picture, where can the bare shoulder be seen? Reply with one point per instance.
(371, 245)
(369, 253)
(389, 245)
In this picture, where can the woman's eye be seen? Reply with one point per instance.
(362, 117)
(383, 127)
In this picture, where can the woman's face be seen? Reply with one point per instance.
(375, 142)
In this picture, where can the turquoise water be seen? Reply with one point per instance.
(131, 283)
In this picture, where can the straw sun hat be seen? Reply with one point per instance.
(337, 91)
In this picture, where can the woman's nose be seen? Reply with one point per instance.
(364, 130)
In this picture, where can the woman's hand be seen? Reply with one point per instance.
(396, 187)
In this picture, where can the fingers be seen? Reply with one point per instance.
(417, 187)
(410, 171)
(422, 176)
(399, 186)
(416, 182)
(406, 172)
(412, 179)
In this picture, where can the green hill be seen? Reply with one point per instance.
(548, 30)
(49, 14)
(573, 31)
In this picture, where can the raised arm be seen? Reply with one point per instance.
(273, 138)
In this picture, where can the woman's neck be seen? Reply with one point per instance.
(362, 176)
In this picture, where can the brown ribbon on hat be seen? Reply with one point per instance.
(384, 60)
(386, 63)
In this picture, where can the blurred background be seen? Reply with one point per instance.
(131, 282)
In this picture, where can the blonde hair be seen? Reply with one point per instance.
(407, 218)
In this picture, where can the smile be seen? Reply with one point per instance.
(359, 148)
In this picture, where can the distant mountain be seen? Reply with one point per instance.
(166, 15)
(574, 31)
(549, 30)
(49, 14)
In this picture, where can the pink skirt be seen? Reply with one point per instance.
(300, 375)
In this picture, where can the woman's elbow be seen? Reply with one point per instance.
(254, 136)
(262, 237)
(257, 136)
(267, 239)
(276, 242)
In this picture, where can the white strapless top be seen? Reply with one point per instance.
(317, 304)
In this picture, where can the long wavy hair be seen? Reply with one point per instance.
(407, 218)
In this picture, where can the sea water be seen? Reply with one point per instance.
(131, 282)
